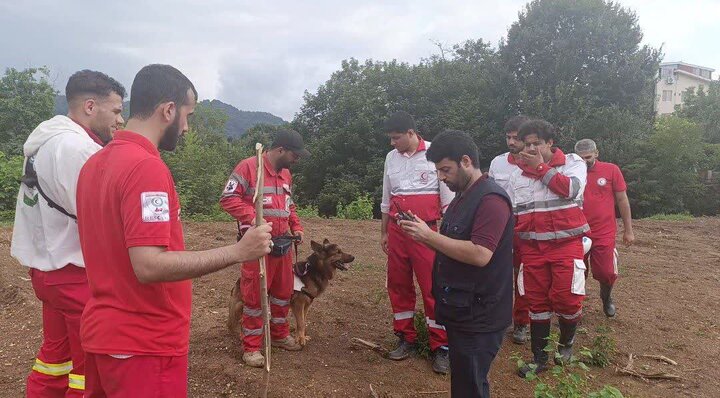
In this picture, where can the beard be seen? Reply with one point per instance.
(515, 151)
(461, 183)
(170, 138)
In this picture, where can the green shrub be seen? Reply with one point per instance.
(672, 217)
(423, 336)
(359, 209)
(307, 212)
(10, 173)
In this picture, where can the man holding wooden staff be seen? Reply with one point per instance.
(279, 209)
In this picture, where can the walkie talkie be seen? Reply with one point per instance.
(401, 215)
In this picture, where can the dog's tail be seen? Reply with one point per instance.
(235, 307)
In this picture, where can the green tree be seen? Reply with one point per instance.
(663, 176)
(343, 121)
(10, 173)
(202, 163)
(580, 65)
(703, 107)
(26, 99)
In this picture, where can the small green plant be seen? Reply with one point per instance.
(359, 209)
(601, 351)
(423, 337)
(567, 380)
(672, 217)
(308, 212)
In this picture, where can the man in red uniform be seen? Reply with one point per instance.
(136, 325)
(278, 208)
(411, 184)
(545, 190)
(500, 171)
(45, 238)
(605, 188)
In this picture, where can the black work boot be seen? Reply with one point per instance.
(539, 333)
(608, 306)
(441, 361)
(520, 334)
(403, 350)
(567, 338)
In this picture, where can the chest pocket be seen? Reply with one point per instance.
(523, 190)
(395, 175)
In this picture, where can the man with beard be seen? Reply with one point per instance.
(500, 170)
(136, 325)
(472, 273)
(279, 209)
(605, 187)
(45, 237)
(410, 183)
(546, 189)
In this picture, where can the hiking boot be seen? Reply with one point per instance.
(520, 334)
(402, 351)
(288, 343)
(566, 341)
(441, 361)
(254, 359)
(539, 333)
(608, 306)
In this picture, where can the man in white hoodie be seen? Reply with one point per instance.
(45, 235)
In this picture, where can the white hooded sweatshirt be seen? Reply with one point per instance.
(44, 238)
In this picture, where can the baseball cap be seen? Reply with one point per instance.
(290, 140)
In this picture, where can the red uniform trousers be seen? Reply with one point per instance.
(521, 307)
(553, 279)
(280, 289)
(139, 376)
(602, 260)
(59, 370)
(405, 257)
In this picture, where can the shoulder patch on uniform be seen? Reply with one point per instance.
(231, 185)
(155, 206)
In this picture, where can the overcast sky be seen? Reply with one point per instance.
(264, 55)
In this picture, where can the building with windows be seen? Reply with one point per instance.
(675, 78)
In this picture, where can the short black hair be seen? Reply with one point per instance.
(514, 123)
(90, 82)
(157, 84)
(544, 130)
(399, 122)
(453, 145)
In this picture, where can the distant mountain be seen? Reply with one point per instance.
(238, 121)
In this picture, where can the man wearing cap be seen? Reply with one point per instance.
(605, 188)
(278, 208)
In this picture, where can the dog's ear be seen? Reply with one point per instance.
(326, 242)
(317, 248)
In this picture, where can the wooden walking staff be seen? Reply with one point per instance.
(259, 220)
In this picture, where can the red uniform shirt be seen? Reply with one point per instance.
(603, 180)
(126, 197)
(278, 205)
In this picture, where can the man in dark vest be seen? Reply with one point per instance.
(473, 272)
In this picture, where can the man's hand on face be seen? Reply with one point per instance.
(532, 160)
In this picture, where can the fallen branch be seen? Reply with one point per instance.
(661, 358)
(369, 344)
(628, 370)
(372, 391)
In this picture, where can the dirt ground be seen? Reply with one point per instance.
(667, 297)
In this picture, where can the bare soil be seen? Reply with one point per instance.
(667, 297)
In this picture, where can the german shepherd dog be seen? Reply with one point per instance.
(312, 278)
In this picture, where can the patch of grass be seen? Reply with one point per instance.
(601, 350)
(671, 217)
(423, 337)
